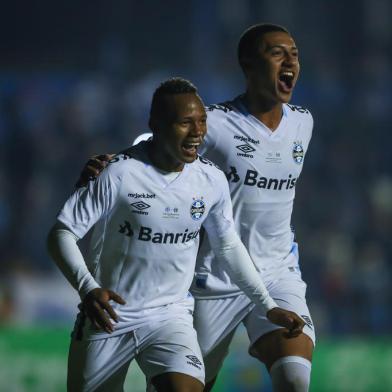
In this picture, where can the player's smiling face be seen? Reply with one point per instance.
(274, 71)
(181, 133)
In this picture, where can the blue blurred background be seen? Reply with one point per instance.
(76, 79)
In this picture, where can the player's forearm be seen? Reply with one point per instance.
(62, 246)
(243, 272)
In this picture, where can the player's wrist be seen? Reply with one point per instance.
(87, 289)
(269, 304)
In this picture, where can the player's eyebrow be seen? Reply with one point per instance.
(282, 46)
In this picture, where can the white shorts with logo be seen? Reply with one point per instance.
(160, 347)
(216, 320)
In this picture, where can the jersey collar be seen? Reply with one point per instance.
(239, 102)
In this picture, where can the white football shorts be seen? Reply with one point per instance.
(160, 347)
(216, 320)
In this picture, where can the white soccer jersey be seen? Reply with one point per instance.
(262, 168)
(147, 229)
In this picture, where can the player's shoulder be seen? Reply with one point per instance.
(223, 107)
(299, 112)
(219, 111)
(208, 168)
(300, 117)
(125, 158)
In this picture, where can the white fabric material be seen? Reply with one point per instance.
(291, 374)
(158, 348)
(146, 236)
(242, 271)
(262, 168)
(66, 253)
(146, 232)
(217, 319)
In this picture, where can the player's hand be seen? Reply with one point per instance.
(287, 319)
(99, 311)
(93, 168)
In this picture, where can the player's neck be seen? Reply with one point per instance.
(162, 160)
(269, 112)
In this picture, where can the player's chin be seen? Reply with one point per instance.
(284, 96)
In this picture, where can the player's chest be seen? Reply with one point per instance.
(181, 205)
(279, 154)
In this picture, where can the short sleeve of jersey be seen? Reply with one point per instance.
(89, 204)
(219, 221)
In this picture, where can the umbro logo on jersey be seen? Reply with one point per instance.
(194, 361)
(246, 149)
(140, 206)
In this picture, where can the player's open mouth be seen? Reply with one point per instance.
(286, 81)
(190, 147)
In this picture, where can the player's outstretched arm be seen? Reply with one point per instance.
(243, 272)
(93, 168)
(62, 246)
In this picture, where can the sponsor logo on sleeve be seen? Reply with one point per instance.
(307, 320)
(194, 361)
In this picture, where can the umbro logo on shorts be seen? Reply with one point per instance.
(307, 320)
(194, 361)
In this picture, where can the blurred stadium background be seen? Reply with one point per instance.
(76, 79)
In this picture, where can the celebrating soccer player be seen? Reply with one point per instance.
(260, 141)
(147, 209)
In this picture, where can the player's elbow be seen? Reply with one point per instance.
(53, 239)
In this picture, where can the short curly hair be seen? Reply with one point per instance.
(248, 43)
(172, 86)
